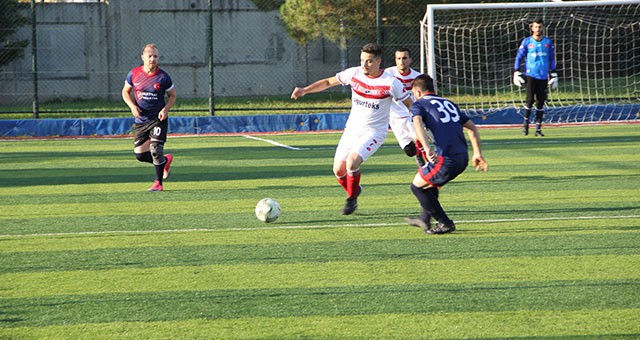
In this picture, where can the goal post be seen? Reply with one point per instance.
(470, 49)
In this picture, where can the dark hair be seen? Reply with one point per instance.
(404, 49)
(424, 83)
(535, 21)
(372, 48)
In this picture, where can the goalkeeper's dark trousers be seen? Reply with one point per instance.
(535, 88)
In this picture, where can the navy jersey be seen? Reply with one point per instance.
(444, 121)
(539, 57)
(149, 91)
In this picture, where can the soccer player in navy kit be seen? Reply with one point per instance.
(150, 84)
(442, 120)
(539, 55)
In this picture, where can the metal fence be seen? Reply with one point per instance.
(81, 52)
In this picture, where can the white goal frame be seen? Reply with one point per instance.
(427, 20)
(428, 45)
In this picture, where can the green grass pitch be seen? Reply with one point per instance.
(547, 246)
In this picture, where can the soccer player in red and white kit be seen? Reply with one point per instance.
(400, 119)
(372, 91)
(150, 84)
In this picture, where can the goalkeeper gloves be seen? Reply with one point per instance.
(518, 79)
(553, 81)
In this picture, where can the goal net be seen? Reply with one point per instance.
(470, 50)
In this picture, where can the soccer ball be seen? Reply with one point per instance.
(268, 210)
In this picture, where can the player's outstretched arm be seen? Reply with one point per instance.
(474, 137)
(318, 86)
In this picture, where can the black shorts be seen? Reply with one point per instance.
(536, 88)
(154, 130)
(445, 170)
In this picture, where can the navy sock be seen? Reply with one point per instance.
(436, 191)
(426, 216)
(145, 157)
(428, 199)
(539, 115)
(159, 172)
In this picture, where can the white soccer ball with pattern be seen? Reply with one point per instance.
(268, 210)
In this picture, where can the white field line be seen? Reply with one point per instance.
(322, 226)
(274, 143)
(385, 145)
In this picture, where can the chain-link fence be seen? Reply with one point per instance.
(75, 56)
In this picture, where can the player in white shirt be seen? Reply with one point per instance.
(400, 118)
(372, 92)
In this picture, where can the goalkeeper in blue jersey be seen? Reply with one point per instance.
(539, 58)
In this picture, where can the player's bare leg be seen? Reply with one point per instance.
(348, 175)
(340, 170)
(143, 154)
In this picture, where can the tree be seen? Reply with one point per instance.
(10, 21)
(306, 20)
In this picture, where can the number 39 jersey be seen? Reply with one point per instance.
(444, 121)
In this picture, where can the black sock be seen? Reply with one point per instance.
(144, 157)
(159, 172)
(428, 199)
(425, 214)
(539, 115)
(440, 215)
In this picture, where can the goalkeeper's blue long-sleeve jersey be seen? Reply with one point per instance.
(539, 57)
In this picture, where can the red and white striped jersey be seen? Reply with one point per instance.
(398, 108)
(371, 97)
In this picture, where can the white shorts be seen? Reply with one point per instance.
(364, 142)
(402, 128)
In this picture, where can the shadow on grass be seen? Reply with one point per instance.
(142, 172)
(554, 297)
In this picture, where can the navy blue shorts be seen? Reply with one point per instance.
(445, 170)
